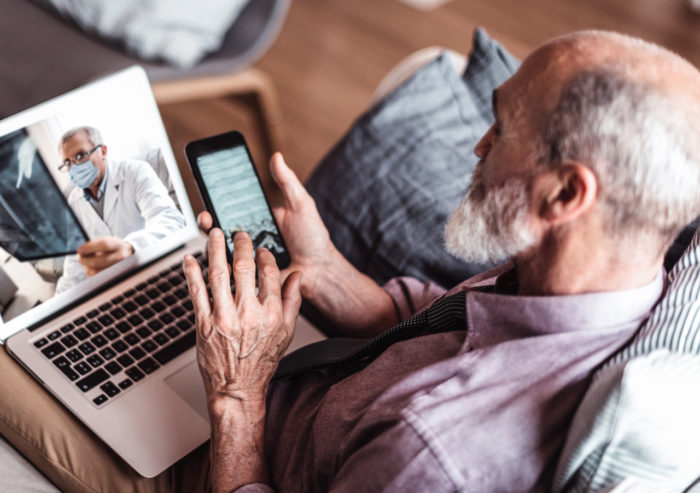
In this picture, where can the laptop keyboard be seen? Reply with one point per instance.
(127, 338)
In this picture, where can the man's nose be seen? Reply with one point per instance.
(483, 147)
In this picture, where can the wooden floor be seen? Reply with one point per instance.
(331, 54)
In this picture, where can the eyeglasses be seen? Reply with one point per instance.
(79, 158)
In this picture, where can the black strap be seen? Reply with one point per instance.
(347, 355)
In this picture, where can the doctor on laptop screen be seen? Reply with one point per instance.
(122, 204)
(81, 190)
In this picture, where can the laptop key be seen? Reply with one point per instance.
(107, 353)
(106, 320)
(132, 339)
(70, 373)
(155, 324)
(178, 311)
(148, 365)
(111, 334)
(158, 306)
(94, 327)
(117, 299)
(110, 389)
(137, 353)
(172, 332)
(117, 313)
(93, 313)
(183, 324)
(149, 346)
(82, 368)
(125, 360)
(93, 379)
(41, 342)
(161, 339)
(67, 328)
(54, 335)
(69, 341)
(147, 313)
(86, 348)
(130, 306)
(124, 327)
(120, 346)
(135, 320)
(125, 384)
(170, 299)
(95, 361)
(143, 332)
(175, 349)
(99, 340)
(53, 350)
(61, 362)
(74, 355)
(142, 300)
(100, 399)
(81, 333)
(113, 367)
(80, 321)
(105, 306)
(166, 318)
(135, 374)
(129, 293)
(153, 293)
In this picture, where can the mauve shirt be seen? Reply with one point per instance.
(485, 409)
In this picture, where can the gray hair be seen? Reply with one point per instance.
(641, 145)
(92, 133)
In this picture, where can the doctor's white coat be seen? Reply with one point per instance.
(137, 208)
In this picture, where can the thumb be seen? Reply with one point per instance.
(291, 298)
(291, 187)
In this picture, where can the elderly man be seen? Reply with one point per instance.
(588, 173)
(122, 204)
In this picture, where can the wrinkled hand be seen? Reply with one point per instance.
(241, 337)
(98, 254)
(302, 228)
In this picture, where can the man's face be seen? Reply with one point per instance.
(81, 143)
(493, 222)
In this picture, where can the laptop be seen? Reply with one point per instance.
(116, 347)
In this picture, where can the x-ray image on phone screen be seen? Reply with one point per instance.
(238, 199)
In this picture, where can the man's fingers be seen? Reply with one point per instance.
(291, 298)
(219, 276)
(291, 187)
(243, 266)
(205, 221)
(268, 275)
(197, 289)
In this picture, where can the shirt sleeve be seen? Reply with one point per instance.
(411, 295)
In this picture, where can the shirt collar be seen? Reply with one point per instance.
(507, 316)
(100, 191)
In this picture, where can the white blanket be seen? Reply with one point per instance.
(180, 32)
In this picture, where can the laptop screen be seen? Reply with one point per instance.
(89, 191)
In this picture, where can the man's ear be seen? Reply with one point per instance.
(565, 193)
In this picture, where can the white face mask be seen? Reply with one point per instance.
(82, 175)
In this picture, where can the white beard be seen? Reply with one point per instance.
(491, 226)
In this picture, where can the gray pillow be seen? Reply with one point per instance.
(387, 188)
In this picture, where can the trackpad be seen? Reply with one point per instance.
(187, 383)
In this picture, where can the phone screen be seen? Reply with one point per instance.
(238, 199)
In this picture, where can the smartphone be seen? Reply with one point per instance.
(230, 188)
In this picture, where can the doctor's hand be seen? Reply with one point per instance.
(100, 253)
(241, 337)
